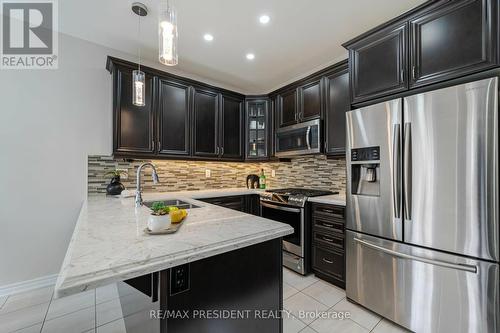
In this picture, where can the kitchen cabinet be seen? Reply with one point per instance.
(328, 223)
(258, 126)
(378, 64)
(287, 107)
(173, 118)
(133, 125)
(435, 42)
(231, 133)
(300, 103)
(452, 40)
(205, 123)
(337, 103)
(244, 203)
(310, 96)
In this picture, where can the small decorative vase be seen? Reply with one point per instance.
(158, 222)
(115, 187)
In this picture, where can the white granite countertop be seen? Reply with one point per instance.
(108, 243)
(333, 199)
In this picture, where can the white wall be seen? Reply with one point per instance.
(50, 120)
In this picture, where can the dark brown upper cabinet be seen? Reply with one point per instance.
(310, 96)
(133, 125)
(231, 133)
(338, 102)
(173, 118)
(258, 126)
(378, 63)
(205, 123)
(287, 107)
(452, 40)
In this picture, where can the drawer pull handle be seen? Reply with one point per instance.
(327, 239)
(327, 261)
(329, 225)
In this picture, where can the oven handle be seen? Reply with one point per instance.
(286, 209)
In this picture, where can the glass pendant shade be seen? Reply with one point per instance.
(138, 88)
(168, 35)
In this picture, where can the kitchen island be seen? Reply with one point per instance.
(220, 259)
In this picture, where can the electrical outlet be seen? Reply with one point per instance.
(273, 173)
(179, 279)
(123, 173)
(208, 173)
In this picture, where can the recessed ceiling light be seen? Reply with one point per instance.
(208, 37)
(250, 56)
(264, 19)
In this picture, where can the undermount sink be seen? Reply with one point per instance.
(174, 202)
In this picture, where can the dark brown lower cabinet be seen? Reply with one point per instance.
(245, 284)
(243, 203)
(328, 254)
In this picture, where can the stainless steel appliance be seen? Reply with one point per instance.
(299, 139)
(289, 206)
(422, 209)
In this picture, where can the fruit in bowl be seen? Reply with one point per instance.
(177, 215)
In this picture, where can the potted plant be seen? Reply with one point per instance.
(159, 218)
(115, 187)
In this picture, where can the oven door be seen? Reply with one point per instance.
(292, 216)
(299, 139)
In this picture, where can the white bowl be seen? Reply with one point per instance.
(158, 222)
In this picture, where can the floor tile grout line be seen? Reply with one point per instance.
(46, 312)
(95, 310)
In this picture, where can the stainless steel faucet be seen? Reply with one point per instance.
(138, 196)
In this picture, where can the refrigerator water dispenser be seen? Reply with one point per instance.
(365, 165)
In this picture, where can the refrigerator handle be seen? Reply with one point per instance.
(407, 171)
(396, 173)
(462, 267)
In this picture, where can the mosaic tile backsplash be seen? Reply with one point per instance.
(176, 175)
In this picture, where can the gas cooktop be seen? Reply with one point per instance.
(292, 196)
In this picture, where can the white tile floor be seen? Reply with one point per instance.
(105, 310)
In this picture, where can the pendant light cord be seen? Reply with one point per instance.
(139, 32)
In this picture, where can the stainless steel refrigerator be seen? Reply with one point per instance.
(422, 209)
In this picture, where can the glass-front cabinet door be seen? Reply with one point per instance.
(257, 129)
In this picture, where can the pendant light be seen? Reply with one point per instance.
(138, 76)
(167, 32)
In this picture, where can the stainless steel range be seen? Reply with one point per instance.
(289, 206)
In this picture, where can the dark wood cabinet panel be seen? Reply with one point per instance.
(328, 261)
(452, 40)
(231, 144)
(378, 63)
(206, 123)
(173, 118)
(287, 108)
(310, 101)
(338, 102)
(133, 125)
(237, 202)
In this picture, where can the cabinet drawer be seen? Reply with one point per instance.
(236, 202)
(329, 262)
(327, 224)
(337, 241)
(330, 210)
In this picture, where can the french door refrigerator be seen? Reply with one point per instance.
(422, 209)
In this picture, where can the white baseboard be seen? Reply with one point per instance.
(19, 287)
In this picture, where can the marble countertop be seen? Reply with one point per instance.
(108, 243)
(333, 199)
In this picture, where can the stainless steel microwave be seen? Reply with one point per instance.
(299, 139)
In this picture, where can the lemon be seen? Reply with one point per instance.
(172, 208)
(178, 215)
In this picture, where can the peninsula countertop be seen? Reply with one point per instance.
(108, 244)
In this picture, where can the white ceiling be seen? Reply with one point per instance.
(302, 37)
